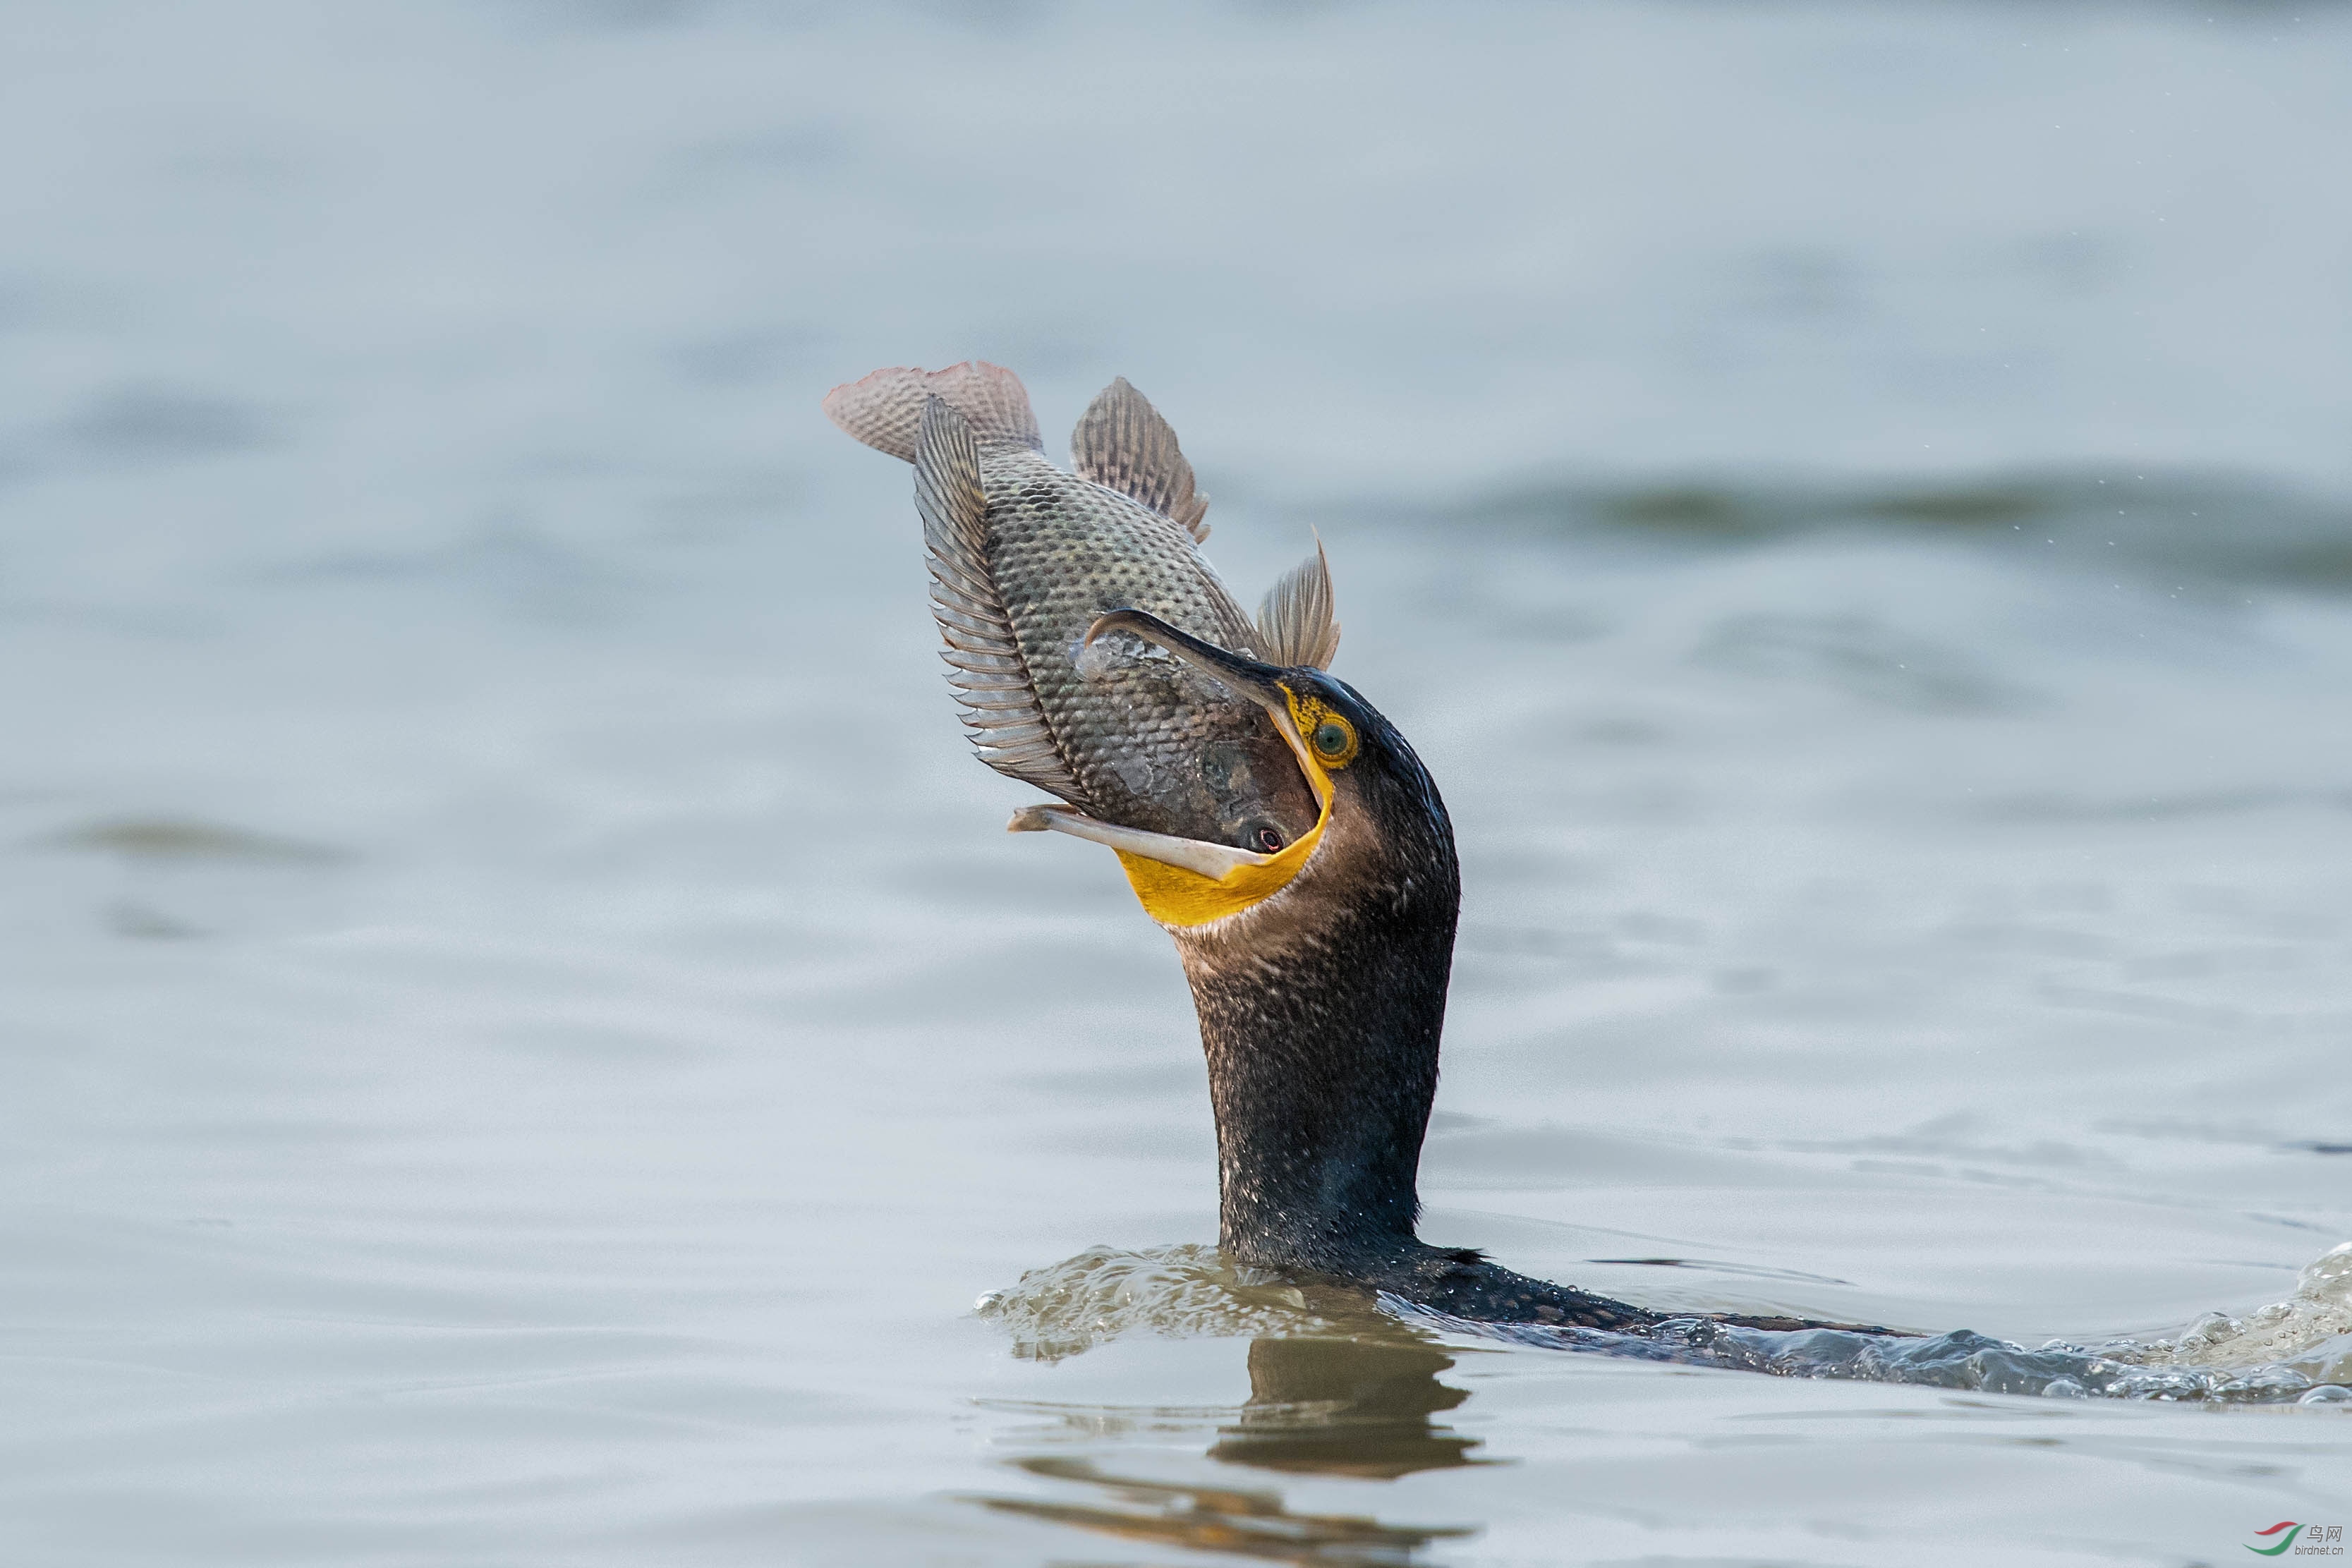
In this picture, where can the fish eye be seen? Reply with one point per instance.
(1268, 839)
(1331, 737)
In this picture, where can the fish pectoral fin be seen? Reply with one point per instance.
(1123, 444)
(1296, 617)
(989, 676)
(1214, 862)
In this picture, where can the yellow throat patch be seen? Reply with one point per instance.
(1178, 895)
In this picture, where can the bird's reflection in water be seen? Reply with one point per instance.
(1343, 1408)
(1317, 1406)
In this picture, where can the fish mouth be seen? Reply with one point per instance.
(1193, 882)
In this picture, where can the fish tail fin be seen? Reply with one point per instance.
(885, 410)
(1295, 620)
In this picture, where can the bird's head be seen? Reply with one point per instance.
(1382, 837)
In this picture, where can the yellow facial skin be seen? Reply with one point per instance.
(1331, 739)
(1176, 895)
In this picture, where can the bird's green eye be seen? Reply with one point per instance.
(1324, 739)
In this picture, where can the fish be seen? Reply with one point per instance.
(1025, 557)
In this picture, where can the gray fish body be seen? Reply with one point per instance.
(1151, 742)
(1024, 558)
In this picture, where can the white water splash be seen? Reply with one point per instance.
(1186, 1291)
(2307, 1336)
(2298, 1351)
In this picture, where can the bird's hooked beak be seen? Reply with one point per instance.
(1191, 882)
(1262, 683)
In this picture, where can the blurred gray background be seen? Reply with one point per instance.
(521, 1037)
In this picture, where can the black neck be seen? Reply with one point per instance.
(1322, 1051)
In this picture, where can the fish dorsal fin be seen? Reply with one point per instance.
(991, 679)
(885, 410)
(1123, 444)
(1294, 619)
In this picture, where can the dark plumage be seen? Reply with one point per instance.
(1319, 955)
(1321, 1008)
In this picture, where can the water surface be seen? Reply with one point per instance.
(525, 1039)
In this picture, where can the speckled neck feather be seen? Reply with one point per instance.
(1320, 1012)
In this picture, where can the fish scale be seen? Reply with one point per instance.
(1136, 730)
(1025, 557)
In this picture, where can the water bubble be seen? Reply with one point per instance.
(2270, 1384)
(1178, 1293)
(2213, 1328)
(2327, 1393)
(2329, 1278)
(2064, 1388)
(2158, 1384)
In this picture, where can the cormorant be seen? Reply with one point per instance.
(1319, 975)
